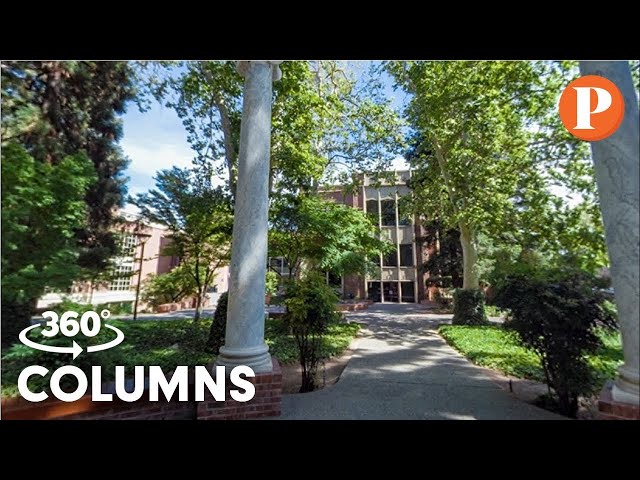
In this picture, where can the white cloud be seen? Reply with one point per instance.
(154, 140)
(149, 156)
(399, 163)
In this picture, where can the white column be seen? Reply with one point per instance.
(616, 161)
(244, 342)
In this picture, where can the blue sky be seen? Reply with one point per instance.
(157, 140)
(153, 141)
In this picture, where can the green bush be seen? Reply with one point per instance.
(468, 307)
(116, 308)
(558, 320)
(170, 287)
(69, 305)
(219, 325)
(493, 311)
(271, 282)
(311, 309)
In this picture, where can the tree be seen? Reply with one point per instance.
(42, 206)
(61, 108)
(322, 235)
(59, 111)
(218, 329)
(555, 313)
(311, 308)
(325, 123)
(199, 217)
(487, 149)
(169, 287)
(445, 264)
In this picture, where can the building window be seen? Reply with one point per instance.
(408, 293)
(406, 255)
(279, 265)
(390, 291)
(121, 277)
(405, 218)
(390, 259)
(372, 211)
(373, 291)
(127, 244)
(388, 208)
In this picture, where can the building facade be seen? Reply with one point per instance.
(130, 267)
(400, 277)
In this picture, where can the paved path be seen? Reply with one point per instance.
(402, 369)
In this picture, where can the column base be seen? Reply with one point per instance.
(267, 401)
(625, 388)
(258, 358)
(613, 409)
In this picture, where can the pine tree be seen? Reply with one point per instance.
(57, 109)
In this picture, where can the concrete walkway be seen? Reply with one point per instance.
(402, 369)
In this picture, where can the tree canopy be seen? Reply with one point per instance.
(60, 108)
(325, 123)
(62, 176)
(321, 235)
(42, 207)
(488, 151)
(199, 217)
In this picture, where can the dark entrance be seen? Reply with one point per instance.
(373, 291)
(391, 291)
(408, 292)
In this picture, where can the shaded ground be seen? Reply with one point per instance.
(401, 369)
(328, 374)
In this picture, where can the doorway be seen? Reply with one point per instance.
(373, 291)
(391, 292)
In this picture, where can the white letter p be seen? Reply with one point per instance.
(583, 105)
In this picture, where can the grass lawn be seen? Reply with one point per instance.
(166, 343)
(494, 347)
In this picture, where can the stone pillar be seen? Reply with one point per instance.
(616, 161)
(244, 342)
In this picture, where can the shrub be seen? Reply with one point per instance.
(271, 283)
(117, 308)
(219, 325)
(442, 298)
(557, 319)
(492, 311)
(311, 309)
(169, 287)
(468, 307)
(69, 305)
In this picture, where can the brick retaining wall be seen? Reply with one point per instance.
(266, 403)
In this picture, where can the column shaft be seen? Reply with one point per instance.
(244, 342)
(616, 162)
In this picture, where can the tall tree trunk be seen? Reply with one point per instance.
(200, 288)
(198, 314)
(229, 151)
(469, 257)
(467, 235)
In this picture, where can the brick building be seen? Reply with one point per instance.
(121, 288)
(400, 277)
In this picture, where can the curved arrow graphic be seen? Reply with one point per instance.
(116, 341)
(75, 349)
